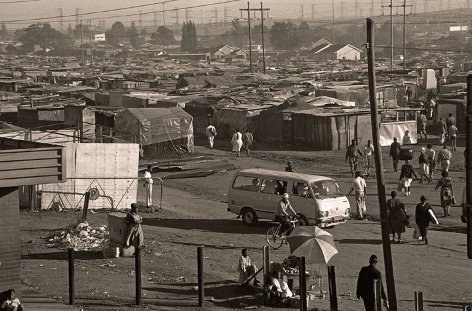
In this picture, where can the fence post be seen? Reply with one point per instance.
(416, 301)
(265, 263)
(420, 301)
(201, 292)
(137, 264)
(333, 297)
(302, 279)
(71, 276)
(378, 295)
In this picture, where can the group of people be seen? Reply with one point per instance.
(238, 140)
(353, 152)
(447, 128)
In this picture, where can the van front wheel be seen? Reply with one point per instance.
(302, 221)
(249, 216)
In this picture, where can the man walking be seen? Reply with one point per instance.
(359, 186)
(452, 132)
(421, 121)
(365, 284)
(395, 149)
(210, 132)
(450, 120)
(442, 130)
(351, 155)
(444, 158)
(148, 186)
(248, 139)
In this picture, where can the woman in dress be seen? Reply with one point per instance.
(135, 234)
(368, 157)
(396, 217)
(237, 142)
(424, 166)
(447, 192)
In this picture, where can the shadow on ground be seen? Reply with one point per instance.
(63, 255)
(211, 225)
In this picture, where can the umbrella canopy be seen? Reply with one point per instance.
(316, 245)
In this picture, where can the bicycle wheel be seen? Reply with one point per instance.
(273, 238)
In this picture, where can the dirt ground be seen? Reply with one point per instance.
(194, 214)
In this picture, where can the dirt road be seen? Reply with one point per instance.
(194, 214)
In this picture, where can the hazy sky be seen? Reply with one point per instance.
(321, 9)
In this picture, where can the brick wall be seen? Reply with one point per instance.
(9, 242)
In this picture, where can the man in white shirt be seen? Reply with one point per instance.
(359, 186)
(245, 268)
(283, 212)
(210, 132)
(148, 186)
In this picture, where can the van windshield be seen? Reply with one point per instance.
(326, 189)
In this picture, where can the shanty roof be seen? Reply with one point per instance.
(143, 114)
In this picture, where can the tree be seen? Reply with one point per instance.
(46, 37)
(116, 34)
(284, 36)
(4, 32)
(163, 36)
(189, 41)
(133, 35)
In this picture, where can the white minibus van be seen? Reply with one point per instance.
(254, 194)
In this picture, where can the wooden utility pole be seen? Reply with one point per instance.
(263, 45)
(334, 29)
(404, 32)
(262, 10)
(379, 167)
(468, 161)
(249, 33)
(82, 42)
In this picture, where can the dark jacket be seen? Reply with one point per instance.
(407, 171)
(365, 283)
(395, 149)
(422, 217)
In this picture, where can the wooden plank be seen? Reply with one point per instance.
(31, 172)
(16, 165)
(30, 181)
(21, 155)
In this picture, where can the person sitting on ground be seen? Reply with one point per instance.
(282, 214)
(246, 269)
(10, 302)
(278, 291)
(407, 138)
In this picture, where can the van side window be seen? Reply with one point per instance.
(301, 189)
(246, 183)
(273, 186)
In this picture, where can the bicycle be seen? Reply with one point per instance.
(274, 239)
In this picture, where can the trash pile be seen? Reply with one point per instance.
(81, 237)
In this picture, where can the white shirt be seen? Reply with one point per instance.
(210, 131)
(368, 151)
(286, 292)
(148, 178)
(359, 184)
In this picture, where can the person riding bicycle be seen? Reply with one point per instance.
(282, 214)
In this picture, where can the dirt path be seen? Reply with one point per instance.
(194, 214)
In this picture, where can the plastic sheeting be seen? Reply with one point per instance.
(148, 126)
(397, 129)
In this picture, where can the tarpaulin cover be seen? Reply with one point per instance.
(149, 126)
(397, 129)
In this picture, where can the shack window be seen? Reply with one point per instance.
(273, 186)
(246, 183)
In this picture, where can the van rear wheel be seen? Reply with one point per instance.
(302, 221)
(249, 216)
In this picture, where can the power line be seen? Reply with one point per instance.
(18, 1)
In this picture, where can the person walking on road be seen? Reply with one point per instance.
(447, 192)
(442, 130)
(395, 149)
(237, 142)
(406, 176)
(424, 166)
(248, 140)
(359, 186)
(368, 157)
(351, 155)
(148, 186)
(452, 132)
(421, 121)
(365, 284)
(444, 158)
(450, 120)
(396, 217)
(423, 216)
(431, 153)
(210, 132)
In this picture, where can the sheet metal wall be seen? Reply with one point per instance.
(96, 162)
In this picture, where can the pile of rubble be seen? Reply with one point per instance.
(81, 237)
